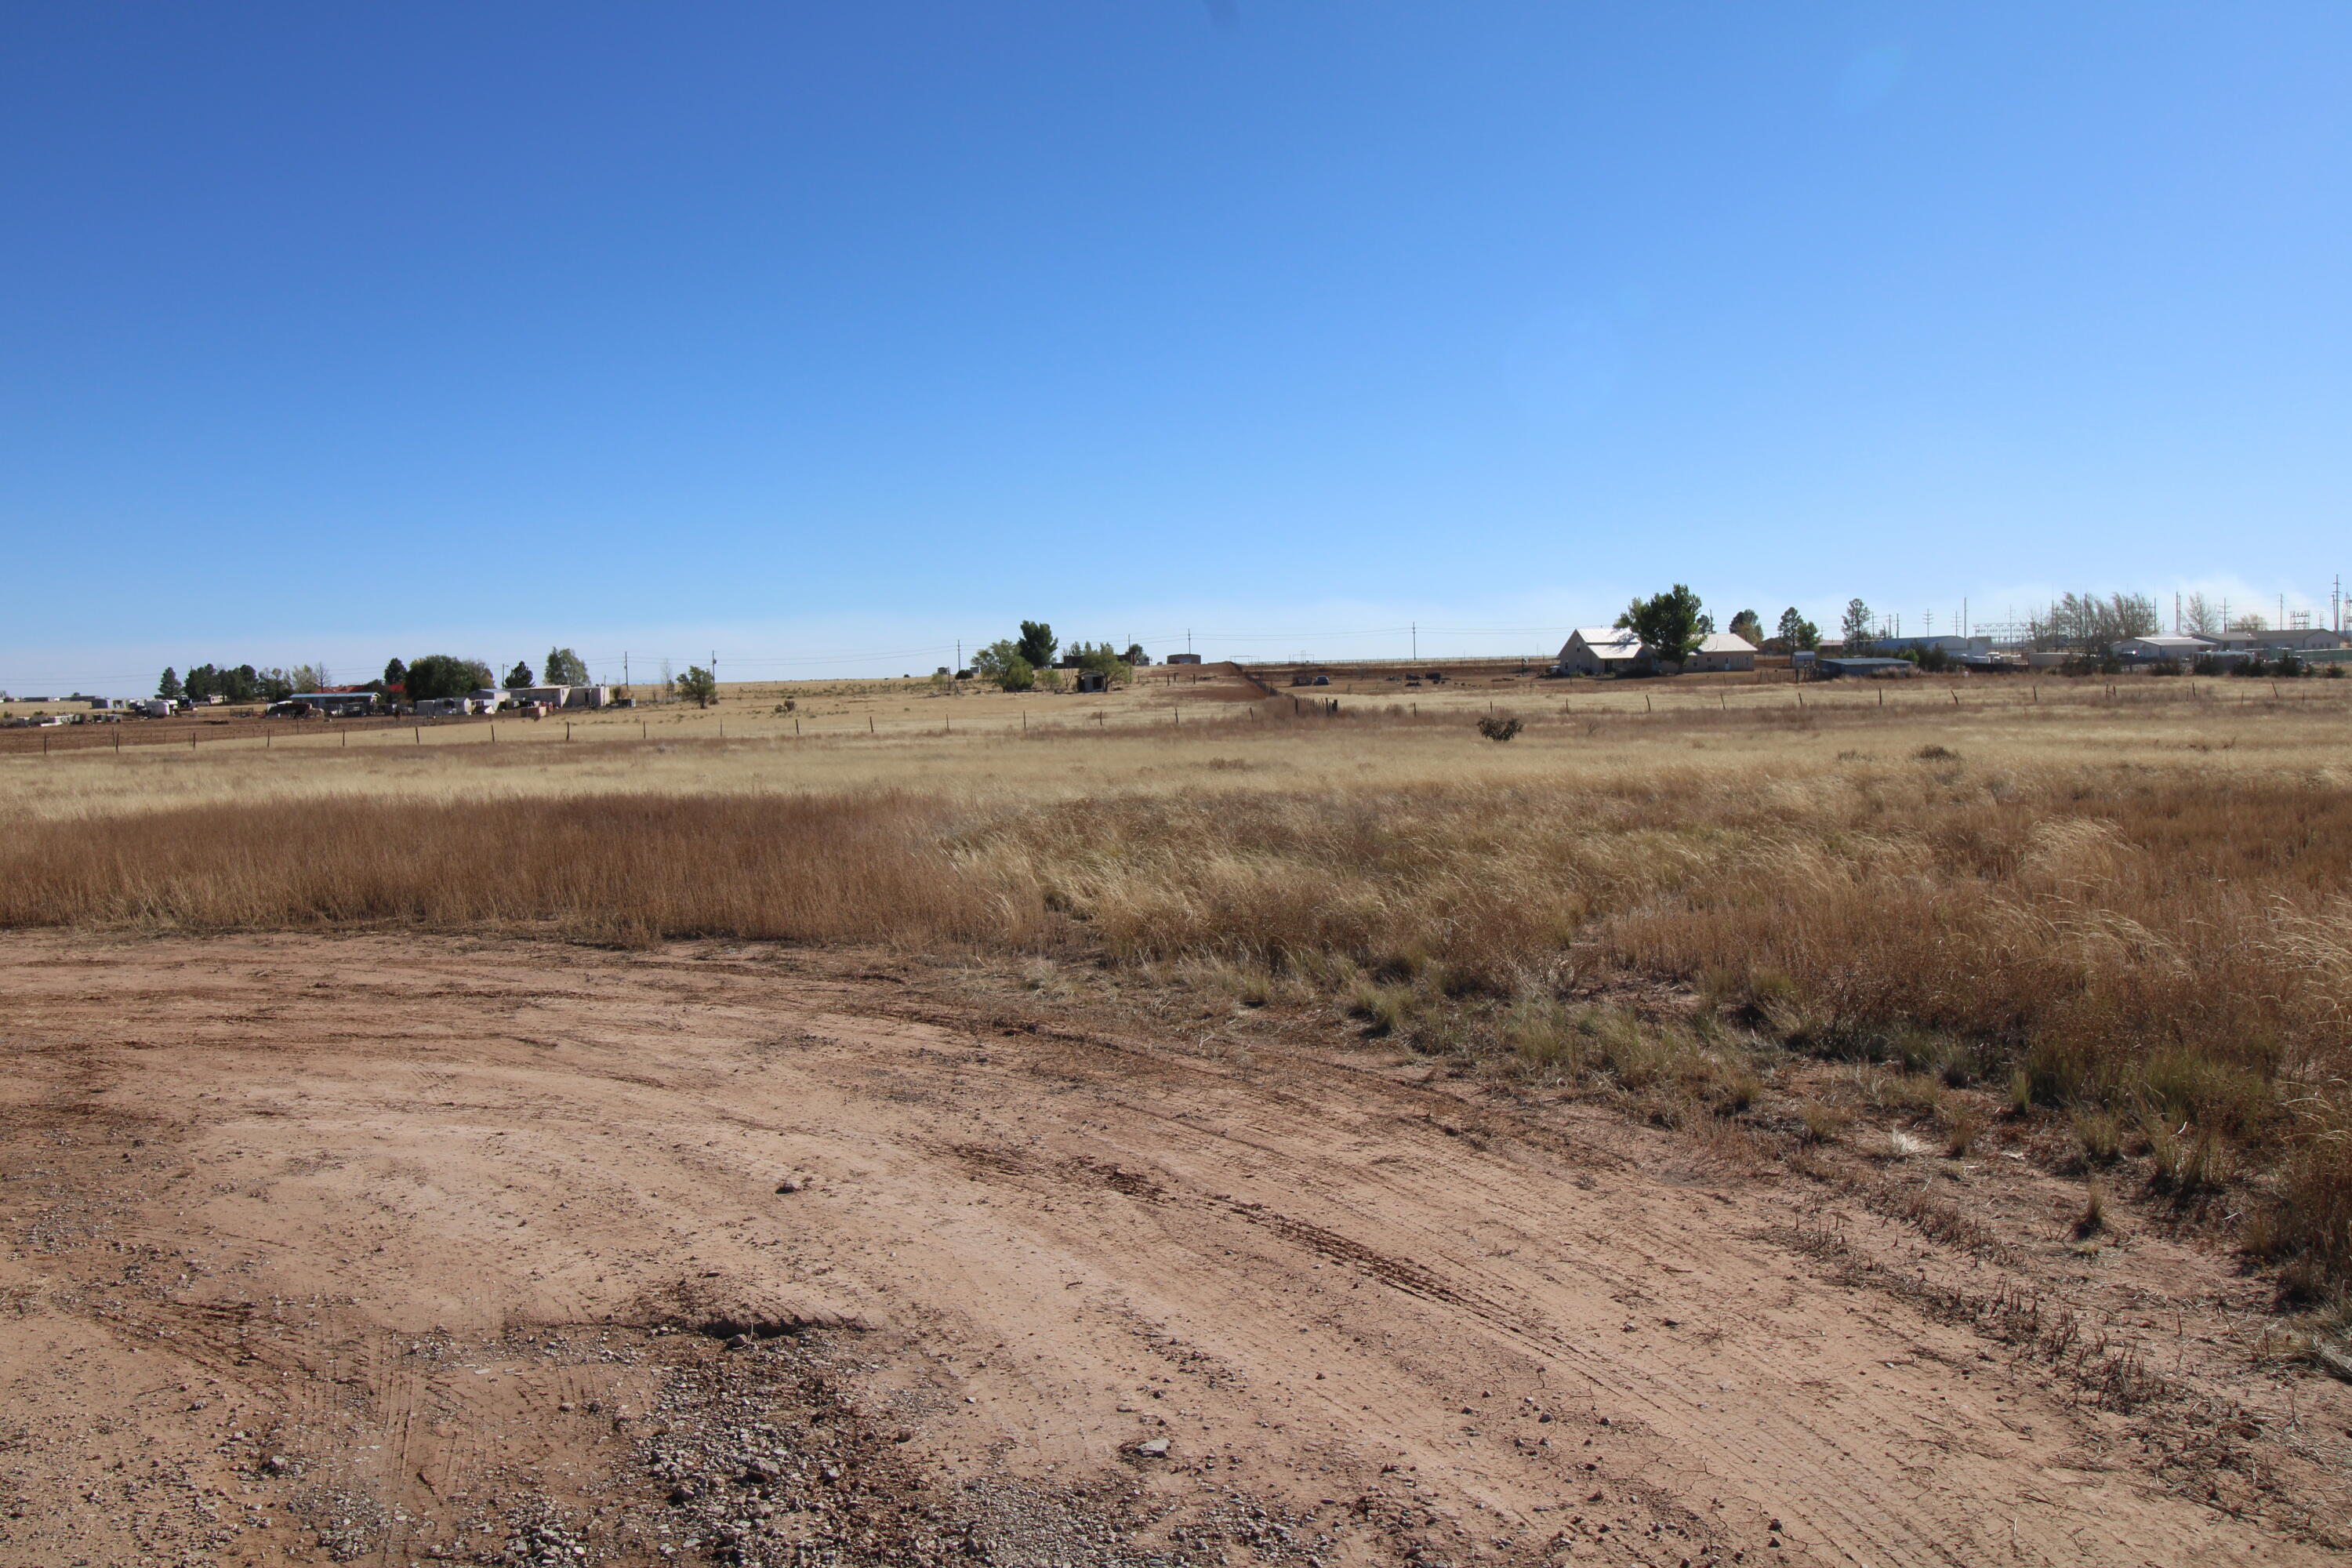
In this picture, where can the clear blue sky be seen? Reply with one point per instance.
(841, 331)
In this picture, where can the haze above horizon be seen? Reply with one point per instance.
(824, 337)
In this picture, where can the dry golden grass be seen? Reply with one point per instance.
(2133, 902)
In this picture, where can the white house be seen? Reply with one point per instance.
(1722, 650)
(1604, 650)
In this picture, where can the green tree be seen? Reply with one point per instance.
(396, 674)
(1036, 644)
(1747, 624)
(271, 685)
(1102, 656)
(169, 687)
(1795, 632)
(564, 668)
(203, 682)
(699, 684)
(1001, 662)
(519, 676)
(1134, 654)
(1668, 623)
(1854, 627)
(441, 675)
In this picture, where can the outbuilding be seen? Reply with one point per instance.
(336, 704)
(2156, 649)
(1867, 669)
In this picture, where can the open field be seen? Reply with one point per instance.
(1919, 1118)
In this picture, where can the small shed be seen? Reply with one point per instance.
(1093, 680)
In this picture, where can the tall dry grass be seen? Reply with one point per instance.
(629, 869)
(2165, 944)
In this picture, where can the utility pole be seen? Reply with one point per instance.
(625, 668)
(1416, 642)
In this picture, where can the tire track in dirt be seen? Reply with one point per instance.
(1312, 1279)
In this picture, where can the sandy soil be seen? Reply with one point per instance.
(391, 1249)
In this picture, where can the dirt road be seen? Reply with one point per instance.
(394, 1248)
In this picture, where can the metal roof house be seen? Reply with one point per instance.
(1606, 650)
(1722, 650)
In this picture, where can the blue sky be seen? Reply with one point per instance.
(822, 336)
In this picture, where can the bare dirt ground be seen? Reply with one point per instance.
(394, 1249)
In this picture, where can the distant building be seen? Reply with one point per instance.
(561, 696)
(2156, 649)
(1722, 650)
(1866, 669)
(335, 704)
(1093, 680)
(1606, 650)
(2305, 639)
(1182, 658)
(1957, 646)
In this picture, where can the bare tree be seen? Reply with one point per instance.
(2088, 623)
(2199, 617)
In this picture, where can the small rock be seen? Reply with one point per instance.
(740, 1342)
(791, 1184)
(1153, 1447)
(276, 1465)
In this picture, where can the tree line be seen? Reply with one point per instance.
(429, 677)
